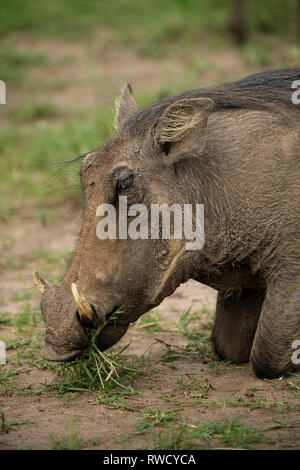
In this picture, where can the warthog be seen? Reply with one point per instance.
(234, 148)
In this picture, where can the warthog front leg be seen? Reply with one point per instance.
(236, 318)
(278, 327)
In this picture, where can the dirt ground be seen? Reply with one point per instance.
(177, 386)
(204, 390)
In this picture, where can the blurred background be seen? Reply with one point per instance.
(63, 62)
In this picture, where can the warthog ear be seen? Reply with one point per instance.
(125, 106)
(182, 128)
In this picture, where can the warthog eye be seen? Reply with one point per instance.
(125, 183)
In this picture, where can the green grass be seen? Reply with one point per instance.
(42, 137)
(5, 425)
(5, 319)
(107, 376)
(150, 322)
(71, 442)
(230, 433)
(14, 64)
(93, 368)
(29, 112)
(45, 216)
(37, 155)
(34, 160)
(195, 328)
(25, 319)
(172, 439)
(148, 26)
(2, 422)
(258, 402)
(155, 416)
(24, 294)
(53, 263)
(8, 378)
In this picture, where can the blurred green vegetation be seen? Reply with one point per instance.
(35, 160)
(147, 25)
(39, 136)
(13, 64)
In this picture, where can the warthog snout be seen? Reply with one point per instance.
(65, 313)
(68, 315)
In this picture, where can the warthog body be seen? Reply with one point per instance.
(235, 149)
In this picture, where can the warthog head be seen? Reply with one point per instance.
(134, 275)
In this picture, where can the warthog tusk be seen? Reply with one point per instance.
(39, 282)
(84, 309)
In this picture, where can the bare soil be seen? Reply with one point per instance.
(233, 390)
(79, 76)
